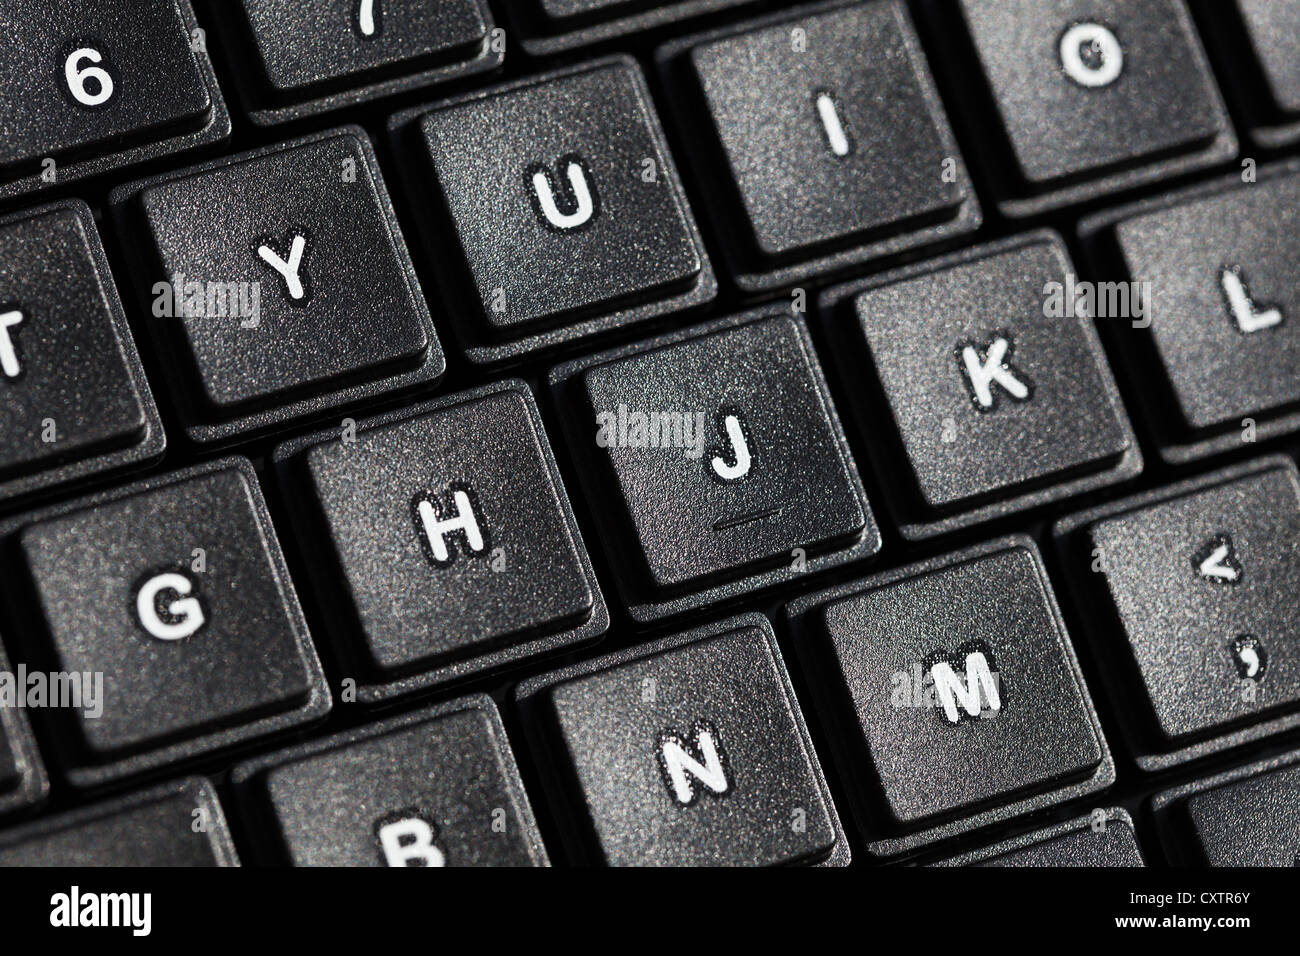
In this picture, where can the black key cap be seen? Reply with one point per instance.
(317, 55)
(716, 456)
(175, 590)
(548, 26)
(1091, 96)
(562, 220)
(73, 397)
(688, 751)
(94, 86)
(300, 245)
(435, 788)
(1272, 26)
(991, 396)
(177, 824)
(22, 775)
(1254, 42)
(1200, 579)
(957, 696)
(1252, 823)
(1103, 838)
(830, 133)
(452, 544)
(1221, 358)
(1248, 816)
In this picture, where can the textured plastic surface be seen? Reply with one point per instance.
(250, 668)
(152, 828)
(412, 621)
(798, 507)
(1200, 578)
(552, 26)
(528, 279)
(359, 326)
(1067, 433)
(164, 97)
(77, 363)
(1070, 140)
(756, 94)
(449, 766)
(1221, 362)
(1103, 840)
(919, 776)
(1246, 816)
(293, 59)
(607, 720)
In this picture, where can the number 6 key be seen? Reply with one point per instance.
(99, 86)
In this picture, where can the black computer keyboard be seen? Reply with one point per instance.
(614, 432)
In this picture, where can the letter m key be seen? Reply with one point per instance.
(973, 693)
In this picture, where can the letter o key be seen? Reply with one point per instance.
(1107, 55)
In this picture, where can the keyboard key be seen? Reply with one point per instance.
(561, 220)
(954, 691)
(435, 788)
(1091, 97)
(177, 824)
(75, 399)
(22, 775)
(96, 86)
(690, 751)
(1222, 352)
(1269, 25)
(548, 26)
(314, 299)
(715, 461)
(316, 55)
(446, 540)
(1194, 586)
(1253, 40)
(828, 169)
(175, 590)
(996, 403)
(1102, 838)
(1249, 816)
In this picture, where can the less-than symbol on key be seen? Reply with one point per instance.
(1217, 561)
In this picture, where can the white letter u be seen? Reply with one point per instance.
(584, 204)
